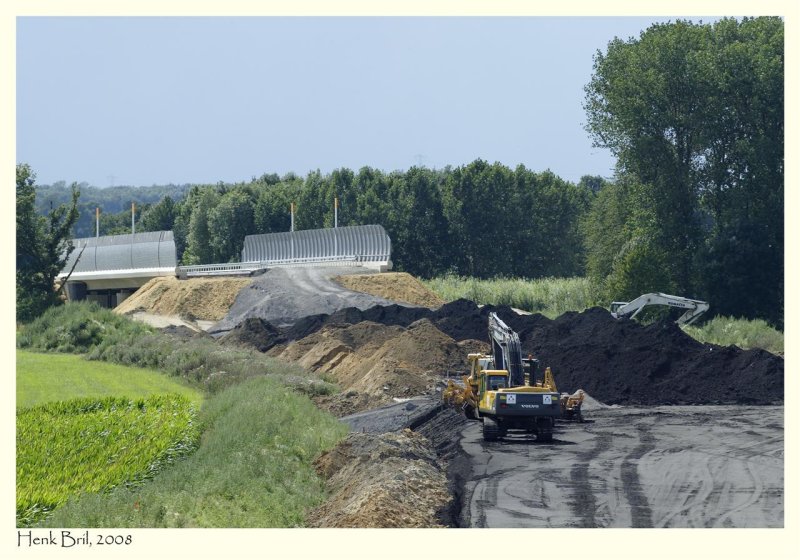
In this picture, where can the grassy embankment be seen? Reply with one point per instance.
(260, 432)
(553, 296)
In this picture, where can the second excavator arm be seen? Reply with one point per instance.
(694, 307)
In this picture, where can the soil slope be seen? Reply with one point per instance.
(196, 298)
(396, 286)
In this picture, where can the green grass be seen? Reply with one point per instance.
(549, 296)
(205, 363)
(77, 328)
(52, 377)
(253, 468)
(88, 445)
(744, 333)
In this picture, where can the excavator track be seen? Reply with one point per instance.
(491, 431)
(544, 430)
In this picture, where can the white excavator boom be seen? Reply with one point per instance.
(694, 308)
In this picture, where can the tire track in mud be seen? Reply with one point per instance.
(490, 484)
(641, 514)
(584, 505)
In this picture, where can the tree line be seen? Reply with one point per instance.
(694, 115)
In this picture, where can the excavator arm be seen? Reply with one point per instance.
(506, 349)
(694, 308)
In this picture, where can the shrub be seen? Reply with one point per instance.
(206, 363)
(77, 328)
(744, 333)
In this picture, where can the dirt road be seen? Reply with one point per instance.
(669, 466)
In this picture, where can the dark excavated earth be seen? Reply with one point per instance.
(615, 361)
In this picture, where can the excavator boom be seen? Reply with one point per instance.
(694, 308)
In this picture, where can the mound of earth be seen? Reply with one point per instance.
(616, 361)
(196, 298)
(396, 286)
(284, 295)
(624, 362)
(382, 480)
(346, 403)
(381, 361)
(253, 333)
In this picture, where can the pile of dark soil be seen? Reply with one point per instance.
(623, 362)
(254, 333)
(616, 361)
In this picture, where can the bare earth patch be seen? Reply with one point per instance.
(396, 286)
(382, 480)
(196, 298)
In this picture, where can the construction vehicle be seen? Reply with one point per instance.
(694, 308)
(571, 405)
(502, 392)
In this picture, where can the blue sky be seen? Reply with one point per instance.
(142, 101)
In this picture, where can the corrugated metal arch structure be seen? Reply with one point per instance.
(146, 250)
(368, 244)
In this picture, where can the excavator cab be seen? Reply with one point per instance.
(495, 382)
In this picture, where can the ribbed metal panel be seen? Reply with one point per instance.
(150, 249)
(366, 243)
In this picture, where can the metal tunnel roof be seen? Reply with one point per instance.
(368, 243)
(146, 250)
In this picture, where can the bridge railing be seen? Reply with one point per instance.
(246, 268)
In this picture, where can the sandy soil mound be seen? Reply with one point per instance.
(382, 480)
(197, 298)
(382, 361)
(396, 286)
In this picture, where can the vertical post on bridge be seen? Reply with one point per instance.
(97, 219)
(133, 217)
(335, 225)
(292, 229)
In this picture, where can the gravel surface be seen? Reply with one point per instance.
(284, 295)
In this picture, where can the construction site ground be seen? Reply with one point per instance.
(665, 466)
(679, 433)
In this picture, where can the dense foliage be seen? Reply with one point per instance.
(694, 114)
(114, 204)
(43, 244)
(79, 328)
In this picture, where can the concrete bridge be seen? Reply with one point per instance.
(110, 268)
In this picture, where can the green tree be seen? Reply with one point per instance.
(229, 221)
(159, 217)
(414, 219)
(198, 238)
(43, 245)
(694, 113)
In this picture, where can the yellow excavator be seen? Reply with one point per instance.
(502, 392)
(571, 405)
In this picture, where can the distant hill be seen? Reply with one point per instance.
(110, 200)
